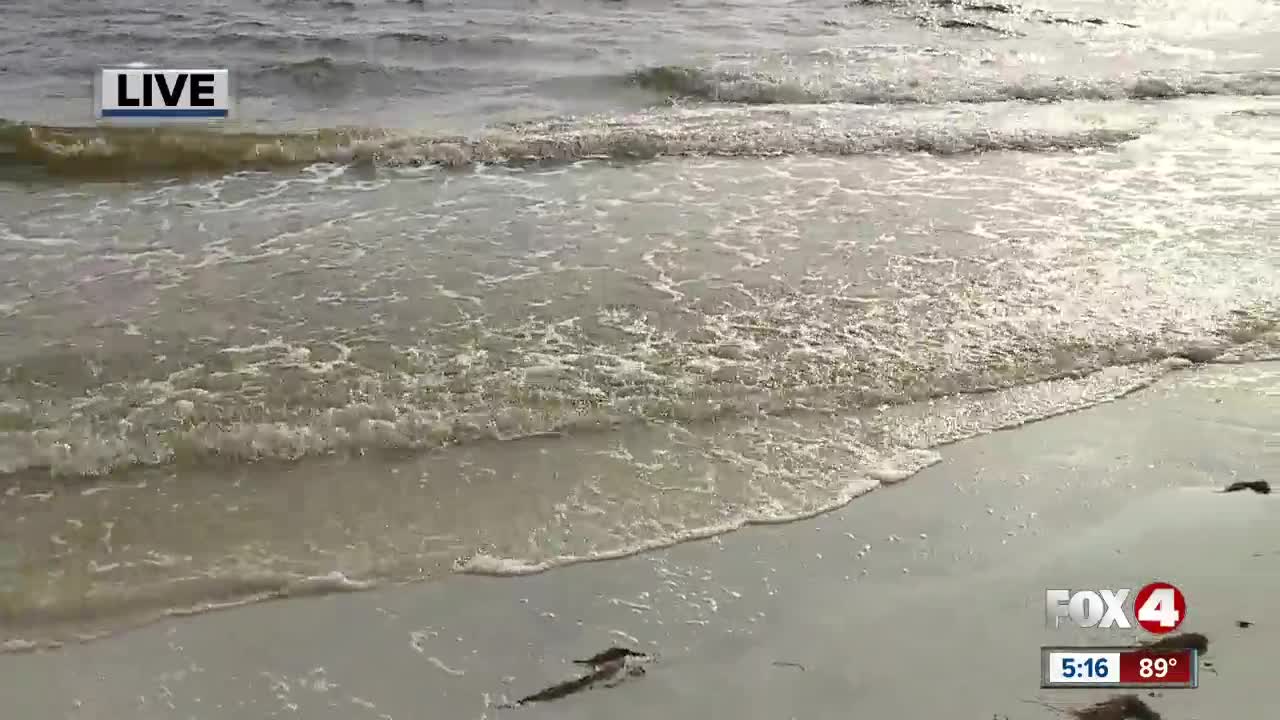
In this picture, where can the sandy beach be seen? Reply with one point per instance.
(920, 600)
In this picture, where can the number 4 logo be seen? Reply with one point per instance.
(1161, 608)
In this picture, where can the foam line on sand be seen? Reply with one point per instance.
(924, 600)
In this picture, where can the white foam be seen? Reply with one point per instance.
(18, 645)
(632, 605)
(920, 428)
(904, 465)
(333, 581)
(485, 564)
(445, 668)
(625, 636)
(482, 564)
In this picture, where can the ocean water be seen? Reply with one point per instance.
(476, 288)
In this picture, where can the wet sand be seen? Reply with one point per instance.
(941, 618)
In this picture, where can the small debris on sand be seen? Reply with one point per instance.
(1244, 624)
(781, 663)
(1182, 641)
(1262, 487)
(1120, 707)
(613, 654)
(608, 668)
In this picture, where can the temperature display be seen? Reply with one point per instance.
(1176, 668)
(1118, 667)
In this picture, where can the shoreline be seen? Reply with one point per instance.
(941, 617)
(915, 432)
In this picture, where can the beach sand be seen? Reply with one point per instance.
(942, 617)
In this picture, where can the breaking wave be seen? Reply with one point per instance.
(174, 435)
(116, 152)
(751, 87)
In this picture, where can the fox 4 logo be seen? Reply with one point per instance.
(1157, 607)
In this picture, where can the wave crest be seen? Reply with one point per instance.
(114, 152)
(752, 87)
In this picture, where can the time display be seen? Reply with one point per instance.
(1084, 667)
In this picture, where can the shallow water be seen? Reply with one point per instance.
(493, 291)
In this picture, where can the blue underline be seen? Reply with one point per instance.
(163, 113)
